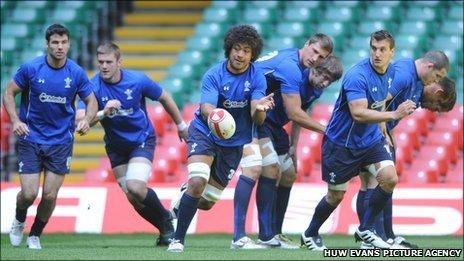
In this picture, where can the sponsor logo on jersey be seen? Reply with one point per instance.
(234, 104)
(378, 104)
(50, 98)
(121, 112)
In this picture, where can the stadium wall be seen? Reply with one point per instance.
(433, 209)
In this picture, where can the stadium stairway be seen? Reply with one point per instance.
(150, 39)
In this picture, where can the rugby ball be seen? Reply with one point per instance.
(221, 123)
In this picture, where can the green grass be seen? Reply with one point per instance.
(198, 247)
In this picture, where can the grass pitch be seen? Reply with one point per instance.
(198, 247)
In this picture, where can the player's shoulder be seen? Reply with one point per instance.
(359, 69)
(216, 70)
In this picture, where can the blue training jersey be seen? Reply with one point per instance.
(234, 93)
(284, 74)
(360, 82)
(308, 94)
(406, 85)
(130, 124)
(47, 99)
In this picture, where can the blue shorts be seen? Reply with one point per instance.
(120, 154)
(34, 157)
(226, 159)
(340, 164)
(278, 136)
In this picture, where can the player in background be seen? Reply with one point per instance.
(48, 85)
(414, 80)
(353, 139)
(274, 135)
(283, 70)
(130, 139)
(238, 87)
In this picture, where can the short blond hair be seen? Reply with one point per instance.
(109, 47)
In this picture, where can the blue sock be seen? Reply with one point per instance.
(283, 195)
(321, 214)
(265, 197)
(360, 204)
(187, 209)
(388, 219)
(378, 224)
(21, 214)
(376, 203)
(152, 201)
(150, 216)
(241, 200)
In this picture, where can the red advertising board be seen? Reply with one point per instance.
(433, 209)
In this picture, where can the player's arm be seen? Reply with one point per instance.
(292, 104)
(294, 137)
(19, 127)
(91, 107)
(260, 107)
(170, 106)
(361, 113)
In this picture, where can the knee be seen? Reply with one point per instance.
(204, 204)
(252, 172)
(196, 186)
(49, 196)
(135, 190)
(334, 197)
(272, 171)
(388, 179)
(288, 178)
(29, 196)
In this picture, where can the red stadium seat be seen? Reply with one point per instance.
(159, 118)
(408, 137)
(159, 171)
(455, 173)
(443, 139)
(455, 113)
(171, 140)
(421, 172)
(437, 153)
(400, 162)
(453, 126)
(313, 140)
(5, 131)
(404, 150)
(322, 111)
(425, 115)
(411, 124)
(305, 160)
(188, 112)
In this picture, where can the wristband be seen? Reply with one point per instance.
(100, 115)
(182, 126)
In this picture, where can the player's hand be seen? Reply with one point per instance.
(183, 134)
(111, 107)
(266, 103)
(83, 127)
(20, 128)
(404, 109)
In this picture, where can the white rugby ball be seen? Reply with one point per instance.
(221, 123)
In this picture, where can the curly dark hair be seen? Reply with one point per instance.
(245, 34)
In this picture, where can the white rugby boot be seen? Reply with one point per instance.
(175, 246)
(33, 242)
(245, 243)
(371, 237)
(312, 243)
(286, 242)
(16, 232)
